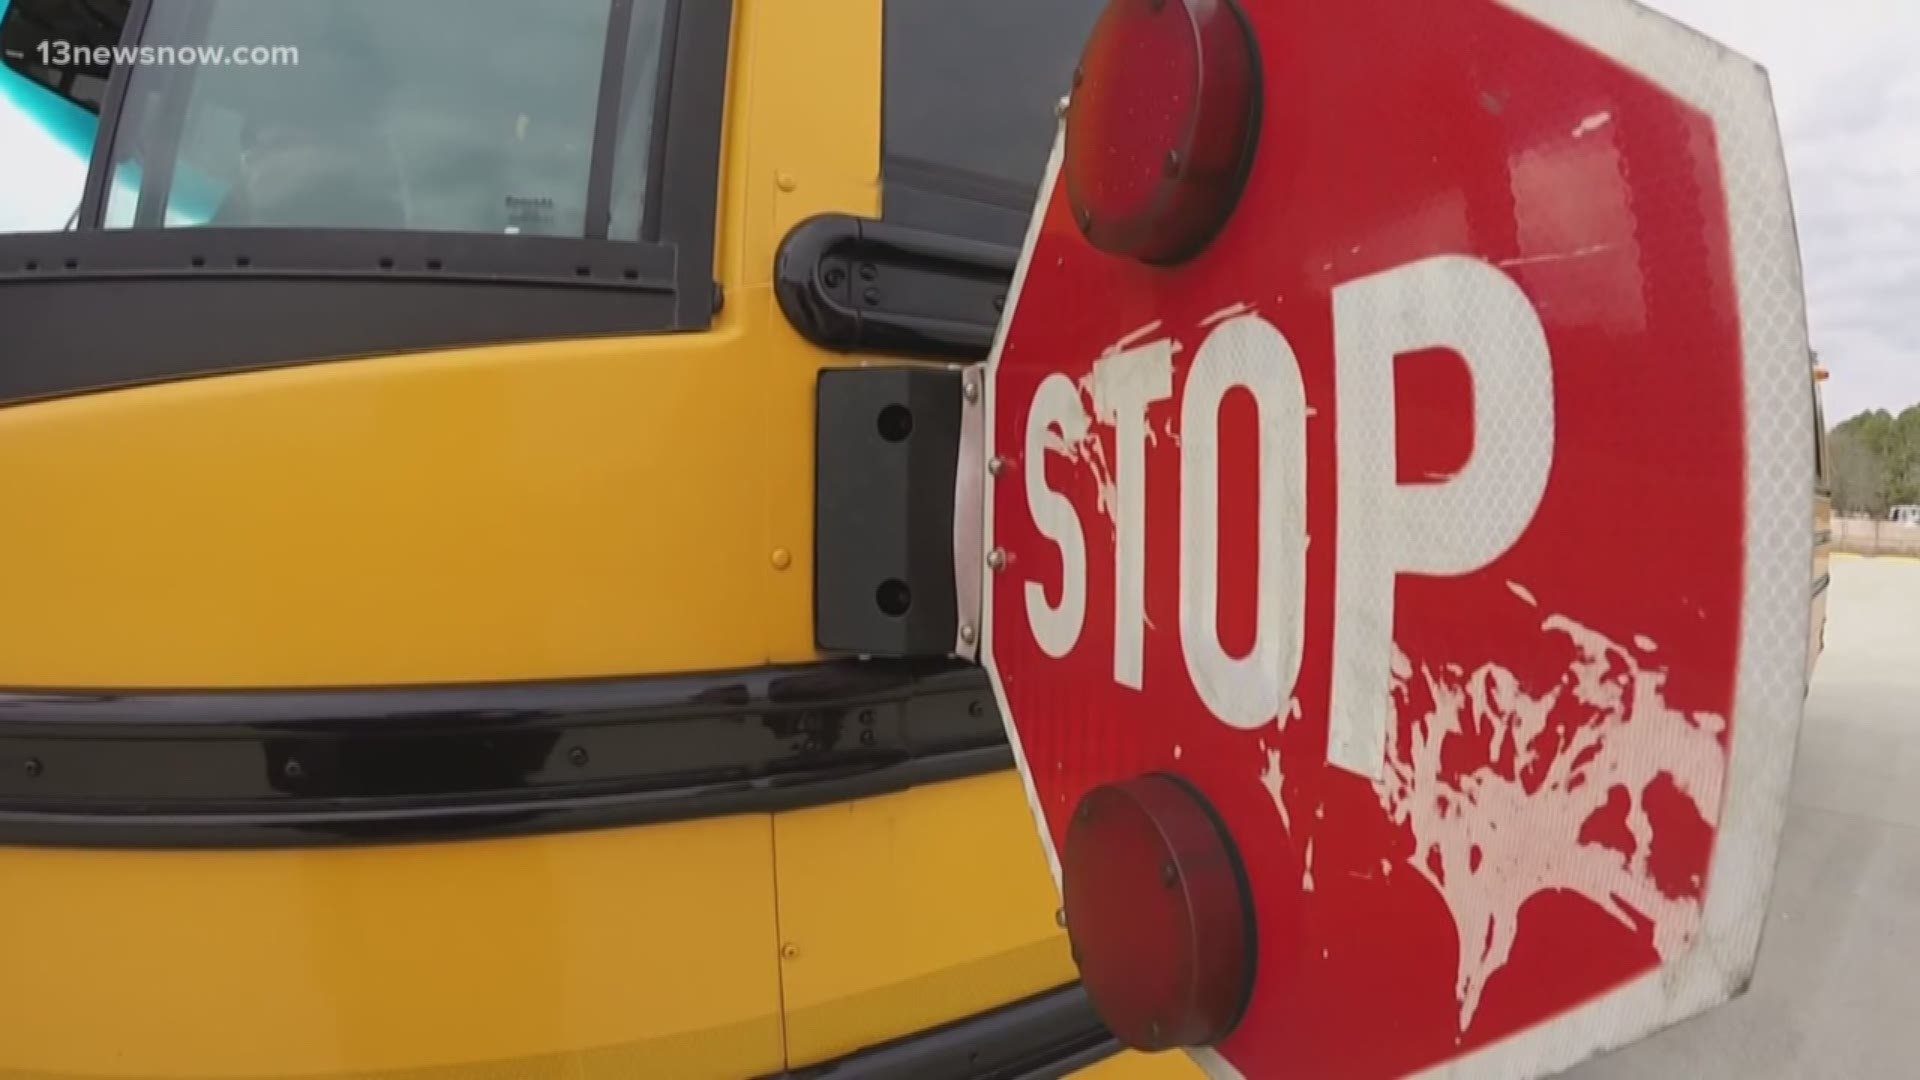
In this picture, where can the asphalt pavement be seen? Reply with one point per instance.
(1837, 992)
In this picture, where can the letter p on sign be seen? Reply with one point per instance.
(1455, 526)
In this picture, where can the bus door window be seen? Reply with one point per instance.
(431, 115)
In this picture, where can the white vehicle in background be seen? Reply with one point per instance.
(1904, 515)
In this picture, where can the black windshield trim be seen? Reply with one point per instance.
(650, 213)
(607, 121)
(156, 177)
(104, 310)
(93, 197)
(695, 126)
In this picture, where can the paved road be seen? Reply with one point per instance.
(1837, 993)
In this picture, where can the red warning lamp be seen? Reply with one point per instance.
(1158, 913)
(1162, 126)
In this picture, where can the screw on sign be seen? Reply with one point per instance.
(1399, 528)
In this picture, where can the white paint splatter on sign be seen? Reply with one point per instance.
(1081, 444)
(1558, 256)
(1592, 124)
(1492, 835)
(1272, 779)
(1229, 312)
(1128, 341)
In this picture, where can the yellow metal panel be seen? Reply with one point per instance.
(575, 956)
(811, 134)
(1170, 1066)
(518, 512)
(902, 913)
(811, 130)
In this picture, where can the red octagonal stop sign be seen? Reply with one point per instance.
(1437, 536)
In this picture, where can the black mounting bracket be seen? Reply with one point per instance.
(856, 285)
(888, 461)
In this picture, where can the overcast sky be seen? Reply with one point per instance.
(1846, 80)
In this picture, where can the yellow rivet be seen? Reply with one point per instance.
(786, 181)
(789, 951)
(782, 558)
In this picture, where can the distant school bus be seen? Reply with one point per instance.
(1822, 517)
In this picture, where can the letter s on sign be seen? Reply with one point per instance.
(1056, 627)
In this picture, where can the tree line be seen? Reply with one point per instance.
(1875, 462)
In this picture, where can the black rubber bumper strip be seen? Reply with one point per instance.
(349, 767)
(1053, 1035)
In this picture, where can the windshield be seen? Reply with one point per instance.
(434, 115)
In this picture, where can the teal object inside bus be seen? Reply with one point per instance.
(72, 126)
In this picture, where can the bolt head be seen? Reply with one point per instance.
(972, 390)
(998, 466)
(968, 633)
(997, 560)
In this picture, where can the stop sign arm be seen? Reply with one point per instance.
(1497, 755)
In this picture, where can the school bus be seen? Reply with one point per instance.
(1822, 517)
(474, 477)
(481, 484)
